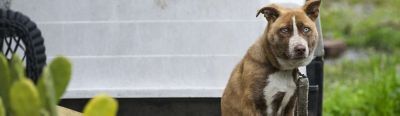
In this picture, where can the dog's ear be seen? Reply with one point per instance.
(271, 12)
(312, 8)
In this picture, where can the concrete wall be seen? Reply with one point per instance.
(147, 48)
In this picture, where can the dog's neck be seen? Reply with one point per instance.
(261, 52)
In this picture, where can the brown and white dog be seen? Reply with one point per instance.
(263, 83)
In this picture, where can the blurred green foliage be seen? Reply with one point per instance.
(368, 86)
(20, 97)
(365, 87)
(363, 23)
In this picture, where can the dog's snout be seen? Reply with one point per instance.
(300, 50)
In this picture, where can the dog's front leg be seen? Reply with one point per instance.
(251, 110)
(249, 105)
(253, 102)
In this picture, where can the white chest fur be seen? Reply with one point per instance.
(281, 81)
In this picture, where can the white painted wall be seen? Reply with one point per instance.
(147, 48)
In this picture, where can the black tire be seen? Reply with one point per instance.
(16, 25)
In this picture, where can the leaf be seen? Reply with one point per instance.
(60, 69)
(2, 109)
(47, 94)
(5, 80)
(101, 105)
(24, 98)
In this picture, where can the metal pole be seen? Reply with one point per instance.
(315, 75)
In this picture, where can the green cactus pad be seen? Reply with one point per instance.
(44, 113)
(16, 68)
(101, 105)
(2, 109)
(47, 94)
(24, 98)
(5, 80)
(60, 69)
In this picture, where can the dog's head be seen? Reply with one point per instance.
(291, 33)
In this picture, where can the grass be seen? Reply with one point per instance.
(368, 87)
(363, 23)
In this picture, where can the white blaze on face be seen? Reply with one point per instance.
(296, 40)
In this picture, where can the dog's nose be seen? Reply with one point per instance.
(299, 50)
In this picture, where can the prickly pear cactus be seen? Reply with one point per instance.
(16, 68)
(60, 69)
(24, 98)
(2, 110)
(47, 94)
(101, 105)
(20, 97)
(5, 81)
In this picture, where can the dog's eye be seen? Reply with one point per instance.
(284, 30)
(306, 29)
